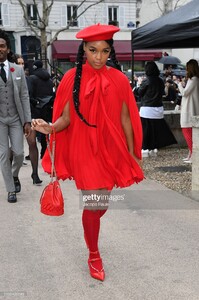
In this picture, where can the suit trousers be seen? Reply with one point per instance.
(11, 139)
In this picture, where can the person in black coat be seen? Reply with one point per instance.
(41, 83)
(41, 102)
(156, 132)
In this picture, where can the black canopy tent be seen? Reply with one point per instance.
(177, 29)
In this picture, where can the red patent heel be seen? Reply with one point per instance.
(96, 267)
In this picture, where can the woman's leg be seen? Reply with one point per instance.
(33, 152)
(43, 145)
(187, 132)
(95, 206)
(93, 211)
(91, 225)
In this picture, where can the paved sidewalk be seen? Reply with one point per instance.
(149, 246)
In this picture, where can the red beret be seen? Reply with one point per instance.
(97, 32)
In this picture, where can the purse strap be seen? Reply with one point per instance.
(52, 153)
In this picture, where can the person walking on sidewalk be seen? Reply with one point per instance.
(41, 88)
(15, 118)
(31, 139)
(98, 131)
(190, 103)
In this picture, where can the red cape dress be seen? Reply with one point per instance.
(96, 157)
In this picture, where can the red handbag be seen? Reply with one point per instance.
(51, 200)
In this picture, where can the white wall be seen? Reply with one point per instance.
(150, 11)
(183, 54)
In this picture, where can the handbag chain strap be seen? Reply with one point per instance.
(52, 153)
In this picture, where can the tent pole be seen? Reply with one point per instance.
(132, 69)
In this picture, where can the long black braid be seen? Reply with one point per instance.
(77, 82)
(112, 61)
(78, 74)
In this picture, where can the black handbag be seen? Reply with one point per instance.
(42, 101)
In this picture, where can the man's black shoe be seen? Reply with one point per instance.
(17, 185)
(27, 157)
(12, 198)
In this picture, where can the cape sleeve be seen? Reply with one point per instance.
(135, 119)
(63, 95)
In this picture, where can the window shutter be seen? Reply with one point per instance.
(105, 15)
(63, 16)
(5, 14)
(81, 19)
(81, 22)
(122, 17)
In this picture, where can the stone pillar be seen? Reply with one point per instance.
(195, 158)
(172, 118)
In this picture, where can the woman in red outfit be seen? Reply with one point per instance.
(98, 130)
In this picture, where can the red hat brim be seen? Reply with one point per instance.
(97, 32)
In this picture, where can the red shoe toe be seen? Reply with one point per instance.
(94, 272)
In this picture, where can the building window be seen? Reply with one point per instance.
(1, 21)
(72, 15)
(113, 16)
(32, 13)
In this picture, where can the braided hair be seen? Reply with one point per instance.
(112, 60)
(78, 74)
(77, 82)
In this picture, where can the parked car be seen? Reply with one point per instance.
(136, 73)
(178, 70)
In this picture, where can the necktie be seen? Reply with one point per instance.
(3, 73)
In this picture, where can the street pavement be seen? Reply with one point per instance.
(148, 242)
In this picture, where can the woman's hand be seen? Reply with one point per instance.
(41, 126)
(27, 129)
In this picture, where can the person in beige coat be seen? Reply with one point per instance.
(190, 103)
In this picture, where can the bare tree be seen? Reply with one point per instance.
(40, 28)
(165, 6)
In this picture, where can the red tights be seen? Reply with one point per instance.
(91, 225)
(187, 132)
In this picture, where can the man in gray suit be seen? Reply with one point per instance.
(15, 118)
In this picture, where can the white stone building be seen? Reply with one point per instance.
(124, 13)
(62, 53)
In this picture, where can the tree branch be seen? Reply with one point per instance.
(89, 7)
(176, 4)
(68, 26)
(39, 28)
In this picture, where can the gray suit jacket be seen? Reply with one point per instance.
(21, 95)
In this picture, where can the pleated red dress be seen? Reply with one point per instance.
(96, 157)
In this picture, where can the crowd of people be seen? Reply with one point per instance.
(171, 91)
(181, 91)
